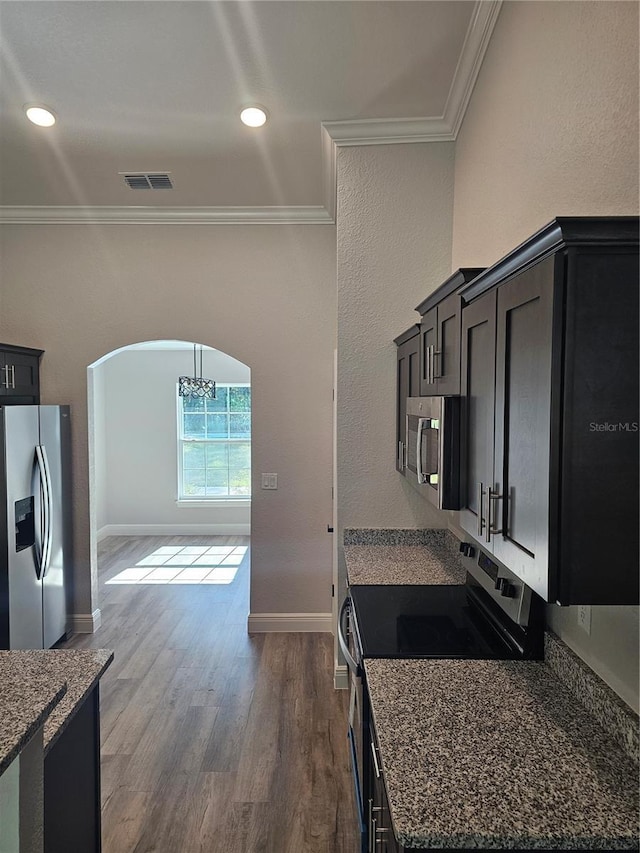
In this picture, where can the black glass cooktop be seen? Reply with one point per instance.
(425, 621)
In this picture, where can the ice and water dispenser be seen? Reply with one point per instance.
(25, 523)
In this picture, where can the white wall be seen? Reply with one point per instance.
(264, 294)
(552, 129)
(395, 206)
(98, 427)
(139, 444)
(552, 126)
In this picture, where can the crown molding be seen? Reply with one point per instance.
(472, 54)
(139, 215)
(329, 173)
(382, 131)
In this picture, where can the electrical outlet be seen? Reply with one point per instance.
(584, 617)
(269, 481)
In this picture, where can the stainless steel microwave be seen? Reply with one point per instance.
(433, 449)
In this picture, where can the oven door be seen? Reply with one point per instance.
(433, 449)
(358, 713)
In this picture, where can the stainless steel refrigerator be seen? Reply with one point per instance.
(35, 525)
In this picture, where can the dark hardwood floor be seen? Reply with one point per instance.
(213, 740)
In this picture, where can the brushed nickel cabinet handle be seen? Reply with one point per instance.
(492, 496)
(480, 519)
(13, 377)
(438, 375)
(376, 766)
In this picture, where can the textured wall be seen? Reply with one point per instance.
(97, 418)
(552, 129)
(552, 126)
(264, 294)
(140, 439)
(394, 248)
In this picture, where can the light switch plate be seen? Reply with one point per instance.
(269, 481)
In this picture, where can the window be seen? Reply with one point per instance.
(214, 436)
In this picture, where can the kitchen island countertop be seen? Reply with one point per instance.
(43, 686)
(497, 754)
(402, 557)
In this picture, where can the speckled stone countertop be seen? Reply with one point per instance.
(497, 754)
(402, 557)
(43, 686)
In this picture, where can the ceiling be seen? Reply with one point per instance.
(157, 86)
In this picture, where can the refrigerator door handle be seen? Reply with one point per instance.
(40, 538)
(45, 492)
(49, 513)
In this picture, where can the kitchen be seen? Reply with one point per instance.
(532, 146)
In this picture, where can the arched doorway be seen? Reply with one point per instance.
(163, 465)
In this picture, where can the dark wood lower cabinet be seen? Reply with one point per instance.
(72, 784)
(381, 838)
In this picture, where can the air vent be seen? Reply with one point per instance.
(147, 180)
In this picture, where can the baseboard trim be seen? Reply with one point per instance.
(86, 623)
(265, 623)
(341, 677)
(243, 529)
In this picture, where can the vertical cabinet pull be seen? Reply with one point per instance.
(376, 766)
(438, 375)
(9, 380)
(479, 501)
(491, 496)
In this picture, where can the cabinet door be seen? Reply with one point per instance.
(519, 505)
(19, 378)
(478, 399)
(428, 346)
(447, 354)
(408, 385)
(380, 827)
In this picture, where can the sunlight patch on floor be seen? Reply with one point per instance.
(193, 564)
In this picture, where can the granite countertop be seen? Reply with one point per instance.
(47, 687)
(486, 754)
(402, 557)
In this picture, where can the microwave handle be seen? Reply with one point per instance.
(423, 425)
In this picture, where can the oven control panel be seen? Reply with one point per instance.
(505, 588)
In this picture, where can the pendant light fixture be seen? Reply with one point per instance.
(195, 386)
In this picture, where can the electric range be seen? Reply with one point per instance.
(493, 615)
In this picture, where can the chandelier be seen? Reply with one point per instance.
(195, 386)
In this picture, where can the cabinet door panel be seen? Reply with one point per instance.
(523, 408)
(413, 359)
(428, 345)
(408, 385)
(19, 377)
(401, 406)
(448, 360)
(478, 391)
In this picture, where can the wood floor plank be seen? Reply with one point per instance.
(214, 741)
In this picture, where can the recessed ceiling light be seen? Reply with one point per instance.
(253, 116)
(40, 116)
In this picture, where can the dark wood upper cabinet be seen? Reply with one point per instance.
(407, 385)
(550, 411)
(506, 421)
(19, 375)
(440, 336)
